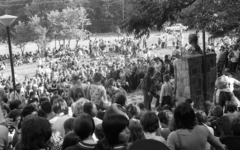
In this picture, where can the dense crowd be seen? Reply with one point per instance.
(78, 100)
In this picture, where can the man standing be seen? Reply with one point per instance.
(17, 95)
(147, 87)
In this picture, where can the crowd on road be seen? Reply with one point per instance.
(78, 100)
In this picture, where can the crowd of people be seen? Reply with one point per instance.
(78, 100)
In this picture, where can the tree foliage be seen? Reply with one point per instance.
(218, 17)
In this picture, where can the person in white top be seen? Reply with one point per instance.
(232, 81)
(166, 92)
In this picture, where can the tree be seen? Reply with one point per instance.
(38, 32)
(218, 17)
(22, 35)
(66, 23)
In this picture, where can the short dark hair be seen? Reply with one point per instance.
(43, 99)
(231, 107)
(217, 111)
(141, 106)
(68, 125)
(60, 106)
(184, 116)
(87, 108)
(46, 107)
(99, 132)
(236, 127)
(41, 113)
(83, 126)
(36, 131)
(121, 99)
(14, 114)
(150, 122)
(189, 101)
(28, 110)
(14, 104)
(70, 139)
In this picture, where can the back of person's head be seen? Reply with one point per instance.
(189, 101)
(113, 125)
(14, 114)
(78, 93)
(90, 108)
(54, 97)
(32, 101)
(99, 132)
(121, 100)
(41, 113)
(150, 122)
(132, 110)
(35, 133)
(78, 108)
(141, 106)
(165, 116)
(236, 126)
(201, 117)
(167, 107)
(28, 110)
(83, 126)
(136, 131)
(184, 116)
(43, 99)
(166, 78)
(231, 107)
(68, 125)
(110, 83)
(46, 107)
(217, 111)
(60, 106)
(70, 139)
(15, 104)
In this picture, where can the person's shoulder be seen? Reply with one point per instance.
(3, 128)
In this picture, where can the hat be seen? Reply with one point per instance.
(75, 77)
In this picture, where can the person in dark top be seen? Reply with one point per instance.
(84, 128)
(116, 133)
(147, 87)
(232, 141)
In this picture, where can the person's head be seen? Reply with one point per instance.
(29, 111)
(201, 117)
(165, 116)
(99, 132)
(110, 84)
(83, 126)
(74, 79)
(141, 106)
(236, 126)
(33, 102)
(231, 107)
(78, 108)
(151, 71)
(166, 78)
(193, 39)
(132, 110)
(46, 107)
(15, 104)
(68, 125)
(60, 106)
(78, 93)
(97, 77)
(184, 116)
(18, 87)
(41, 113)
(70, 139)
(121, 100)
(90, 108)
(190, 102)
(217, 111)
(115, 128)
(136, 131)
(35, 133)
(150, 122)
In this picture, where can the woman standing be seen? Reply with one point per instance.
(188, 135)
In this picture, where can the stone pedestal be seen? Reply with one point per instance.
(189, 79)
